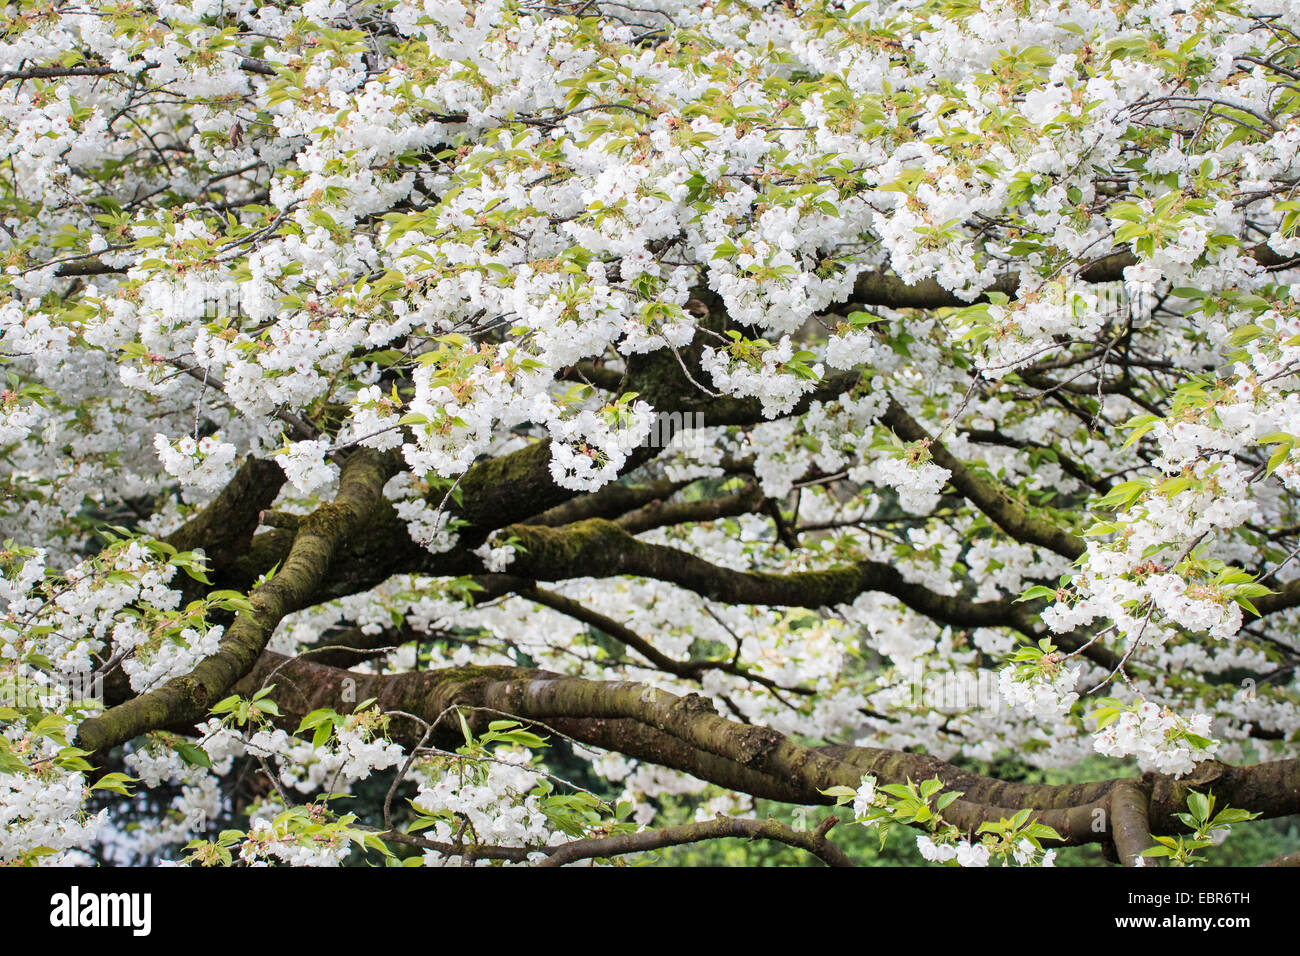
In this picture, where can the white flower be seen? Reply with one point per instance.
(1043, 694)
(495, 558)
(918, 484)
(1158, 738)
(206, 465)
(972, 854)
(935, 852)
(305, 466)
(865, 798)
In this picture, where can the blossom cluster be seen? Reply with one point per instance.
(1056, 236)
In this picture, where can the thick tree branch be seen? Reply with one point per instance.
(609, 502)
(883, 288)
(685, 733)
(225, 526)
(598, 548)
(1129, 825)
(320, 536)
(985, 494)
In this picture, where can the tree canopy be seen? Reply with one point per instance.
(446, 432)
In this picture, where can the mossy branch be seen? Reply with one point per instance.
(599, 548)
(986, 495)
(685, 733)
(187, 698)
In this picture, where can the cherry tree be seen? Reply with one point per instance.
(805, 401)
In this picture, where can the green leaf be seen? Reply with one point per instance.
(116, 782)
(194, 755)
